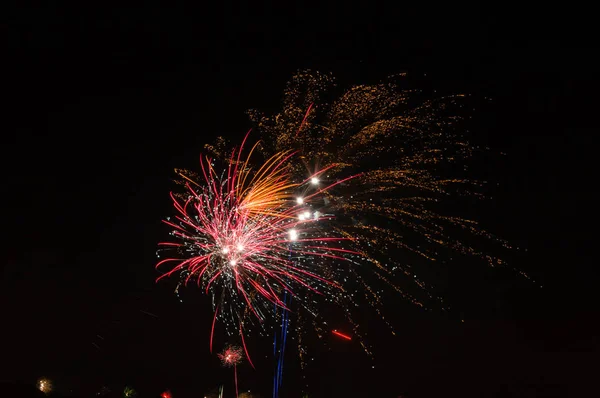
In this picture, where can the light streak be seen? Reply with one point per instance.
(342, 335)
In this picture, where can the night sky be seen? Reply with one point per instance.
(101, 104)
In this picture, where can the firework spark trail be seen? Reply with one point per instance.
(342, 335)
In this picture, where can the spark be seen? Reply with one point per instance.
(293, 234)
(149, 314)
(129, 392)
(344, 336)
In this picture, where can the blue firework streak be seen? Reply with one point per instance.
(279, 351)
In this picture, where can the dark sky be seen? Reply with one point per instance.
(101, 104)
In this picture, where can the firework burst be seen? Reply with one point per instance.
(340, 198)
(232, 356)
(44, 385)
(250, 235)
(412, 158)
(129, 392)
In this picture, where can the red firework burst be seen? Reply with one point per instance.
(249, 236)
(231, 356)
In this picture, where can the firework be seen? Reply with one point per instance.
(342, 335)
(44, 385)
(338, 200)
(231, 357)
(411, 159)
(129, 392)
(279, 345)
(215, 393)
(249, 236)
